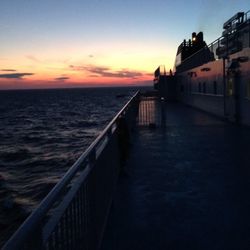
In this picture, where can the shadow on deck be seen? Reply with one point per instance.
(187, 187)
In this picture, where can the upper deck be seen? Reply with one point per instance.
(186, 186)
(235, 37)
(160, 176)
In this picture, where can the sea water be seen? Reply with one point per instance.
(42, 133)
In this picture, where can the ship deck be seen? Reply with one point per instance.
(186, 186)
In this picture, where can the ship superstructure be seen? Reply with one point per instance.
(216, 77)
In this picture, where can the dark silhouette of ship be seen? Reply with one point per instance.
(213, 77)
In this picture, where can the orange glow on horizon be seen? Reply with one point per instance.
(74, 65)
(30, 83)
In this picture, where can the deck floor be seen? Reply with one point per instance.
(188, 187)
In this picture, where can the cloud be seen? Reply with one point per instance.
(15, 75)
(33, 58)
(8, 70)
(62, 78)
(96, 71)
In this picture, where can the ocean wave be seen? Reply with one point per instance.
(15, 154)
(42, 133)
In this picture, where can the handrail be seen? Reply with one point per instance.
(247, 16)
(32, 223)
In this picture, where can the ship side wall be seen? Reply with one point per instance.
(206, 87)
(196, 87)
(167, 87)
(244, 85)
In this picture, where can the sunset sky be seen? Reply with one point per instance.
(74, 43)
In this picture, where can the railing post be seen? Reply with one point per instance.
(249, 34)
(92, 156)
(123, 134)
(163, 113)
(109, 132)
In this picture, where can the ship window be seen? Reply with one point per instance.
(199, 86)
(248, 89)
(215, 87)
(230, 86)
(182, 88)
(204, 87)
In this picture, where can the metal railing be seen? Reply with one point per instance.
(152, 112)
(232, 43)
(73, 215)
(221, 47)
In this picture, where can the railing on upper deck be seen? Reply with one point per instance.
(221, 47)
(234, 42)
(152, 112)
(74, 213)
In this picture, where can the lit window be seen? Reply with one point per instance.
(230, 86)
